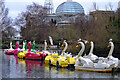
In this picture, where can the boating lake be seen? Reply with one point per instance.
(18, 68)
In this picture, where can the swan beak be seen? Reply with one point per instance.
(108, 46)
(77, 46)
(62, 45)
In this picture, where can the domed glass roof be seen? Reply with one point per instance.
(69, 8)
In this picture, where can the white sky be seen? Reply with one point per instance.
(17, 6)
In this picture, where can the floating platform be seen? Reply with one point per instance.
(109, 70)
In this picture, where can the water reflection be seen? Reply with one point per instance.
(16, 58)
(54, 72)
(22, 62)
(82, 74)
(13, 67)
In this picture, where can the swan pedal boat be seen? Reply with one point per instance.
(50, 56)
(9, 52)
(86, 64)
(35, 56)
(59, 60)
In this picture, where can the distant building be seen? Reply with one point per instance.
(62, 23)
(17, 37)
(52, 17)
(99, 14)
(66, 13)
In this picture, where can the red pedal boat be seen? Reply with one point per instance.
(34, 56)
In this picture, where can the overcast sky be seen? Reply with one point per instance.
(18, 6)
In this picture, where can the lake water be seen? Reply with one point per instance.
(18, 68)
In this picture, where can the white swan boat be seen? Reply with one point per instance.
(105, 65)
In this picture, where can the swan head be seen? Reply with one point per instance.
(44, 40)
(17, 41)
(63, 42)
(77, 45)
(110, 44)
(79, 39)
(34, 41)
(91, 41)
(25, 41)
(85, 41)
(30, 42)
(11, 42)
(110, 40)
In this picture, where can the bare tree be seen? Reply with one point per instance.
(94, 6)
(6, 23)
(81, 24)
(1, 2)
(110, 6)
(32, 22)
(106, 7)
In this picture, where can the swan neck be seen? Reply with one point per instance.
(23, 45)
(10, 45)
(17, 45)
(65, 48)
(45, 45)
(51, 41)
(33, 46)
(30, 46)
(111, 50)
(82, 49)
(92, 47)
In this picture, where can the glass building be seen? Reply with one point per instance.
(69, 8)
(66, 12)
